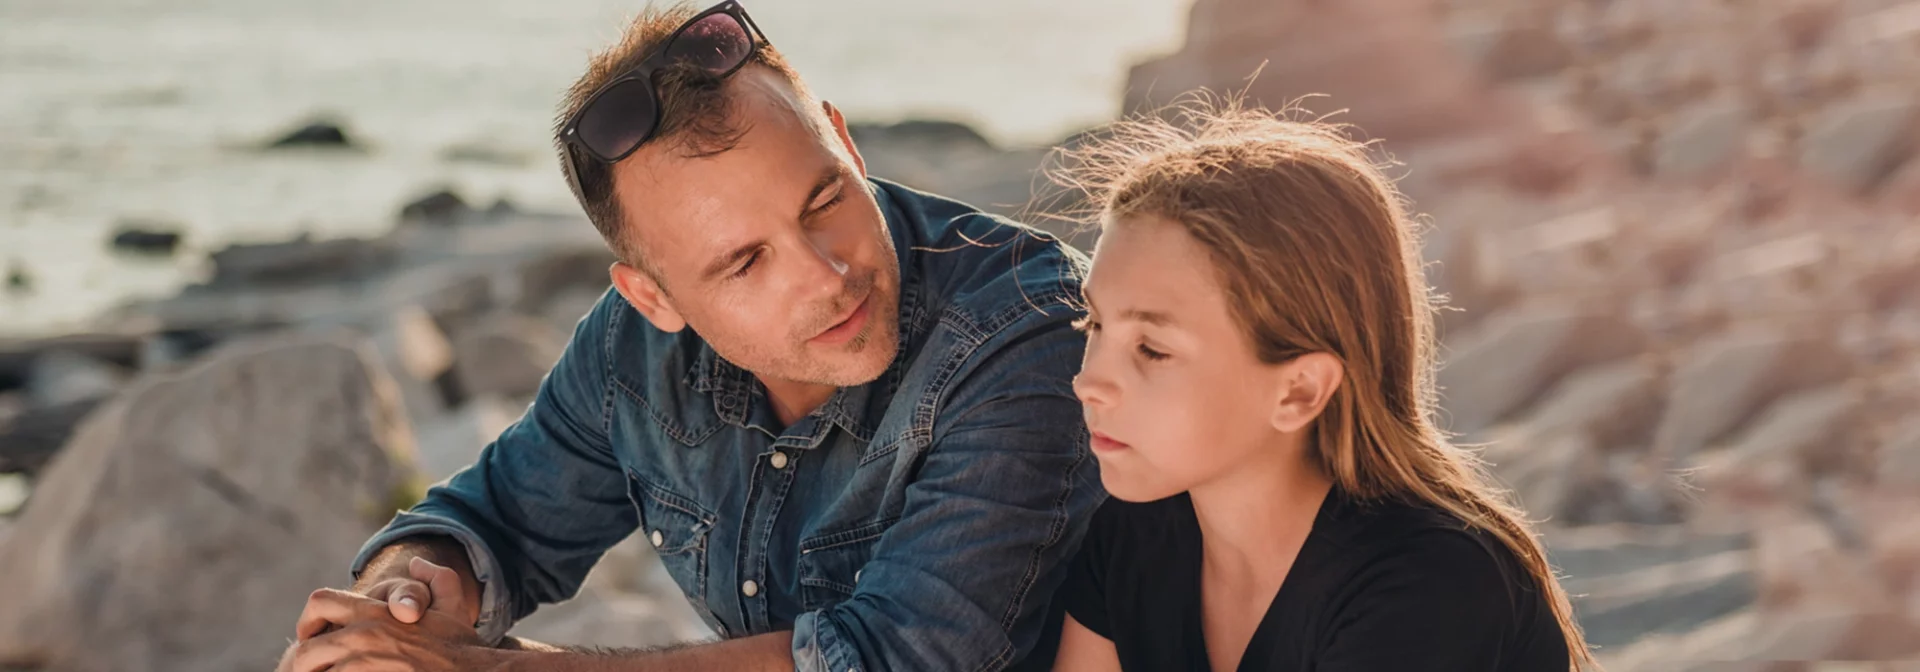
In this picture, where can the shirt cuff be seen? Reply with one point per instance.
(819, 647)
(496, 607)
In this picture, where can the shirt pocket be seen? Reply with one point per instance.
(677, 529)
(830, 563)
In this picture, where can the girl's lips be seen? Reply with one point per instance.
(1106, 444)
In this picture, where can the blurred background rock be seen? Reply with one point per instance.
(1678, 240)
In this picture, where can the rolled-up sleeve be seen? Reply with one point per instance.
(964, 579)
(542, 502)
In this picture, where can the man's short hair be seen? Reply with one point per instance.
(697, 116)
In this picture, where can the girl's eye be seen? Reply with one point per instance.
(1151, 354)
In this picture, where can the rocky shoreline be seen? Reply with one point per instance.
(1684, 326)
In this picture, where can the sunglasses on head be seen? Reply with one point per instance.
(625, 113)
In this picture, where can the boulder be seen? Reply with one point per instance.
(628, 601)
(542, 281)
(184, 525)
(1507, 361)
(504, 355)
(59, 377)
(1859, 143)
(1617, 403)
(1387, 61)
(1588, 553)
(143, 237)
(1899, 457)
(319, 133)
(1667, 598)
(1525, 49)
(1717, 386)
(442, 207)
(31, 437)
(301, 260)
(486, 151)
(450, 442)
(1701, 141)
(413, 348)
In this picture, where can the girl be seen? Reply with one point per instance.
(1258, 384)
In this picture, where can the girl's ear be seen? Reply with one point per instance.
(1306, 384)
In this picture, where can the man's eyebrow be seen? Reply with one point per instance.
(833, 174)
(727, 260)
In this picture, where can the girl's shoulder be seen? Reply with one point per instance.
(1388, 545)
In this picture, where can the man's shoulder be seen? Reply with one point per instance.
(984, 272)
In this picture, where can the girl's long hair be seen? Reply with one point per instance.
(1317, 253)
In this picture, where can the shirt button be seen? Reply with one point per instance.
(779, 460)
(750, 589)
(657, 538)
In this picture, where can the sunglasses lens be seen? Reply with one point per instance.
(717, 44)
(619, 119)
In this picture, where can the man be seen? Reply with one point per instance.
(838, 408)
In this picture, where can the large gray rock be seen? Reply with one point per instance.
(186, 522)
(412, 347)
(1387, 62)
(450, 442)
(1702, 140)
(1673, 597)
(1860, 143)
(505, 355)
(1899, 457)
(1718, 386)
(628, 601)
(60, 377)
(1509, 360)
(1775, 450)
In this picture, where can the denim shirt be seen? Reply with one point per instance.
(918, 522)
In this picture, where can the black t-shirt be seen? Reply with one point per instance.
(1377, 586)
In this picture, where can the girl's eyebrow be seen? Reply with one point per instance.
(1152, 317)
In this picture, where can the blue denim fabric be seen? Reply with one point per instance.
(920, 522)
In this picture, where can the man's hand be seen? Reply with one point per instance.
(419, 574)
(347, 632)
(425, 586)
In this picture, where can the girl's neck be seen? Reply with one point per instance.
(1254, 517)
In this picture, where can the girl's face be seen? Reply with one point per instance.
(1172, 391)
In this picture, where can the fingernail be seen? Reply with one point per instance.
(409, 601)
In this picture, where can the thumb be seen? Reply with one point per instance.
(409, 600)
(443, 583)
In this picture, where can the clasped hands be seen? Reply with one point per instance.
(422, 621)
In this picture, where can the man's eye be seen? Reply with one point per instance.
(838, 196)
(747, 266)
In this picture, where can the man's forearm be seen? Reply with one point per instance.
(771, 652)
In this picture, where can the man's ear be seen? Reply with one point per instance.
(646, 296)
(1306, 385)
(840, 129)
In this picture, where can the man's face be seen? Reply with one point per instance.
(773, 251)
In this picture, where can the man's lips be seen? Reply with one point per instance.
(1107, 444)
(844, 329)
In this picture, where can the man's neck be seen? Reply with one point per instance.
(795, 400)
